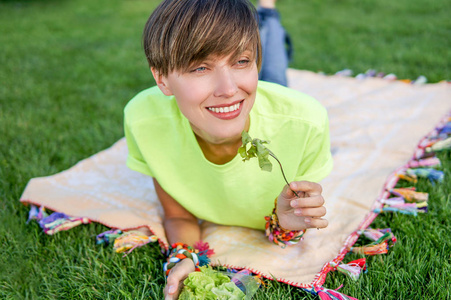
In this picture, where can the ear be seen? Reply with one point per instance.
(162, 82)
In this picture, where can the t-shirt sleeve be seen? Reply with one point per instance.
(317, 161)
(135, 159)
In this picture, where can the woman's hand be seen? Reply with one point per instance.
(304, 212)
(176, 277)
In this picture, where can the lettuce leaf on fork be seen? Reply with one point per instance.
(256, 149)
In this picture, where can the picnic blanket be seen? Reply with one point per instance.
(375, 125)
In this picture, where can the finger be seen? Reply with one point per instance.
(176, 277)
(173, 281)
(173, 289)
(168, 293)
(311, 212)
(287, 192)
(314, 201)
(316, 222)
(311, 188)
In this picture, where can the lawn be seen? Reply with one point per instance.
(67, 68)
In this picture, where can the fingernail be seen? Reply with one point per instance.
(307, 220)
(171, 289)
(298, 211)
(293, 203)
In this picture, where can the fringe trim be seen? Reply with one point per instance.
(378, 205)
(162, 244)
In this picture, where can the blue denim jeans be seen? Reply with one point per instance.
(273, 37)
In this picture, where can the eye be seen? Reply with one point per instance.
(199, 70)
(243, 62)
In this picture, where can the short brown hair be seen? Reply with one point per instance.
(180, 33)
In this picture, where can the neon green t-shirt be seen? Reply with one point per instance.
(162, 144)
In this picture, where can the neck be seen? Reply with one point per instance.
(221, 153)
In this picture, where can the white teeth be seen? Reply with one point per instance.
(225, 109)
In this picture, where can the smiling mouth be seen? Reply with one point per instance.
(225, 109)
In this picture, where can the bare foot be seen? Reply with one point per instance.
(267, 3)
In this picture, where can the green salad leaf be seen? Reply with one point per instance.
(210, 284)
(228, 291)
(256, 149)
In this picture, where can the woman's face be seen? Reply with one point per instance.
(216, 95)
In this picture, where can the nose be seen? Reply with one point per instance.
(226, 85)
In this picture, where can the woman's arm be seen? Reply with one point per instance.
(180, 225)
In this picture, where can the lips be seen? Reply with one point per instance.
(226, 111)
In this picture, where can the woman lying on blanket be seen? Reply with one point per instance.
(205, 56)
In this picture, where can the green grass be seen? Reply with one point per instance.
(67, 68)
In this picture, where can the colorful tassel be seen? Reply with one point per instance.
(383, 239)
(420, 80)
(372, 234)
(398, 204)
(378, 235)
(344, 73)
(371, 73)
(353, 268)
(440, 146)
(387, 236)
(428, 142)
(446, 129)
(381, 248)
(130, 240)
(407, 208)
(428, 162)
(410, 195)
(58, 222)
(204, 252)
(422, 207)
(326, 294)
(407, 177)
(36, 213)
(390, 77)
(432, 174)
(393, 201)
(108, 237)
